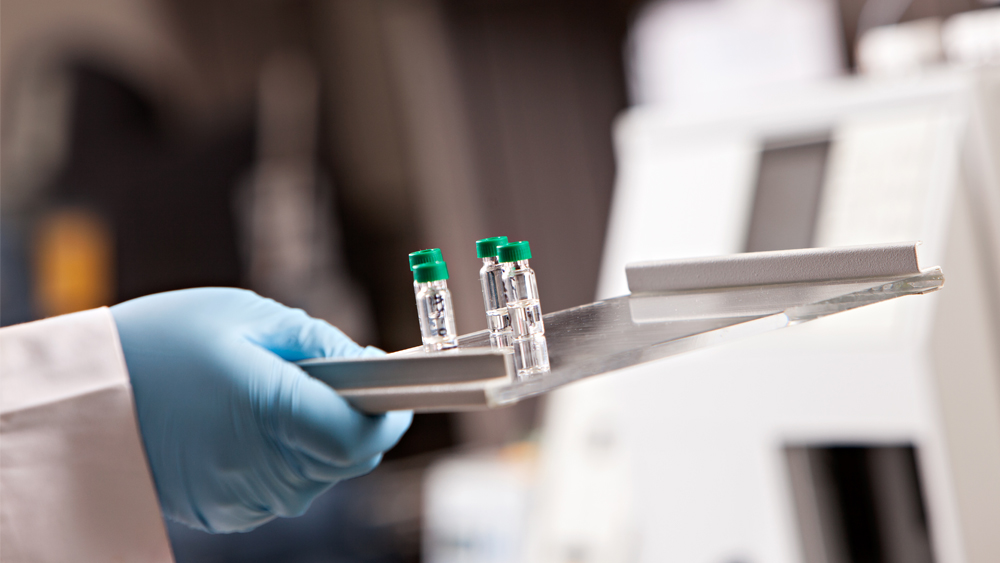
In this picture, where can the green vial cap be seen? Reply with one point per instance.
(514, 251)
(430, 272)
(425, 257)
(488, 246)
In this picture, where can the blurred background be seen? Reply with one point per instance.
(301, 148)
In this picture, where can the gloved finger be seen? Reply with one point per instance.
(319, 478)
(293, 335)
(323, 472)
(319, 422)
(371, 352)
(295, 502)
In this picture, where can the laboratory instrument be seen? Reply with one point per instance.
(862, 160)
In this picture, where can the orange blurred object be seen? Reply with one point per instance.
(74, 262)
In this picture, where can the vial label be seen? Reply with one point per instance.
(437, 320)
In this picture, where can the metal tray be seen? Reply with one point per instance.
(676, 306)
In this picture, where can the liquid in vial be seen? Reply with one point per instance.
(494, 295)
(437, 318)
(531, 353)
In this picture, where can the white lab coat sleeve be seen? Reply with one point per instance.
(74, 480)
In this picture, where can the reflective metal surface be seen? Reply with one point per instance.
(625, 331)
(599, 338)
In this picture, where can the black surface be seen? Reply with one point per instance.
(169, 201)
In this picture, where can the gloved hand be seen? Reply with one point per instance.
(235, 433)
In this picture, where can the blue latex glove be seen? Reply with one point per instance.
(235, 433)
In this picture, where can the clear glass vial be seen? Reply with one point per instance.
(531, 353)
(424, 257)
(494, 296)
(437, 317)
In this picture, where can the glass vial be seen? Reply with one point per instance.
(424, 257)
(531, 353)
(437, 318)
(494, 296)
